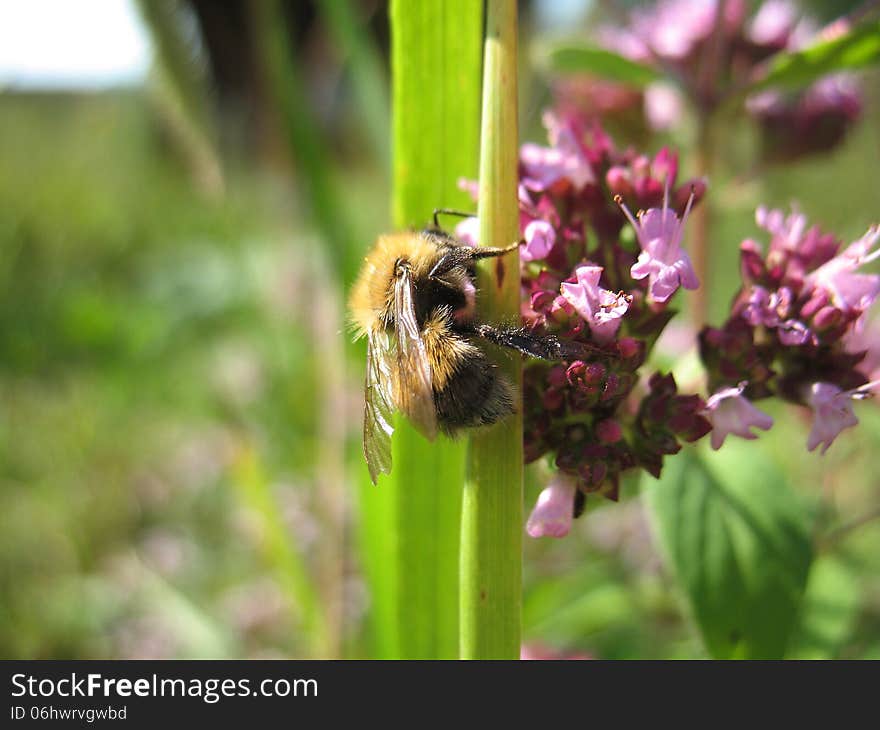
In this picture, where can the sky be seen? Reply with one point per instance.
(72, 44)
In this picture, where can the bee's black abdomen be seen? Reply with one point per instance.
(476, 395)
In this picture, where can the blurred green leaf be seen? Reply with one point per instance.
(280, 550)
(305, 138)
(600, 62)
(737, 541)
(858, 48)
(829, 611)
(364, 63)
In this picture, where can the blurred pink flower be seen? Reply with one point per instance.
(732, 413)
(564, 159)
(672, 29)
(773, 24)
(554, 510)
(468, 231)
(664, 106)
(864, 337)
(539, 238)
(849, 290)
(832, 413)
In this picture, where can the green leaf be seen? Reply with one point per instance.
(600, 62)
(829, 611)
(414, 540)
(857, 49)
(737, 541)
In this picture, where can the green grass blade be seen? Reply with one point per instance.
(492, 524)
(368, 77)
(287, 90)
(435, 102)
(280, 550)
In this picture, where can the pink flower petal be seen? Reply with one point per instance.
(554, 510)
(730, 412)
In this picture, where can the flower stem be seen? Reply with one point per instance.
(492, 517)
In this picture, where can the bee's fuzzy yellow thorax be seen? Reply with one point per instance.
(372, 294)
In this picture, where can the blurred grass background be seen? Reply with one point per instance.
(180, 408)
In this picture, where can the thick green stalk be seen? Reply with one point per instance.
(435, 54)
(492, 517)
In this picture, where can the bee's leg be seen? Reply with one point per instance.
(450, 211)
(486, 252)
(464, 255)
(545, 347)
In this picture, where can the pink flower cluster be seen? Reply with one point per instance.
(596, 274)
(602, 278)
(709, 56)
(795, 330)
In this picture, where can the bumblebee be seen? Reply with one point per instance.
(415, 302)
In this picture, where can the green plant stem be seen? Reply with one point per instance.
(491, 535)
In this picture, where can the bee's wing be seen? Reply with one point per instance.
(377, 406)
(413, 394)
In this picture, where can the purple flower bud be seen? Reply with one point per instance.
(585, 375)
(665, 165)
(553, 512)
(629, 348)
(730, 412)
(793, 333)
(556, 376)
(542, 301)
(818, 299)
(608, 431)
(827, 318)
(752, 261)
